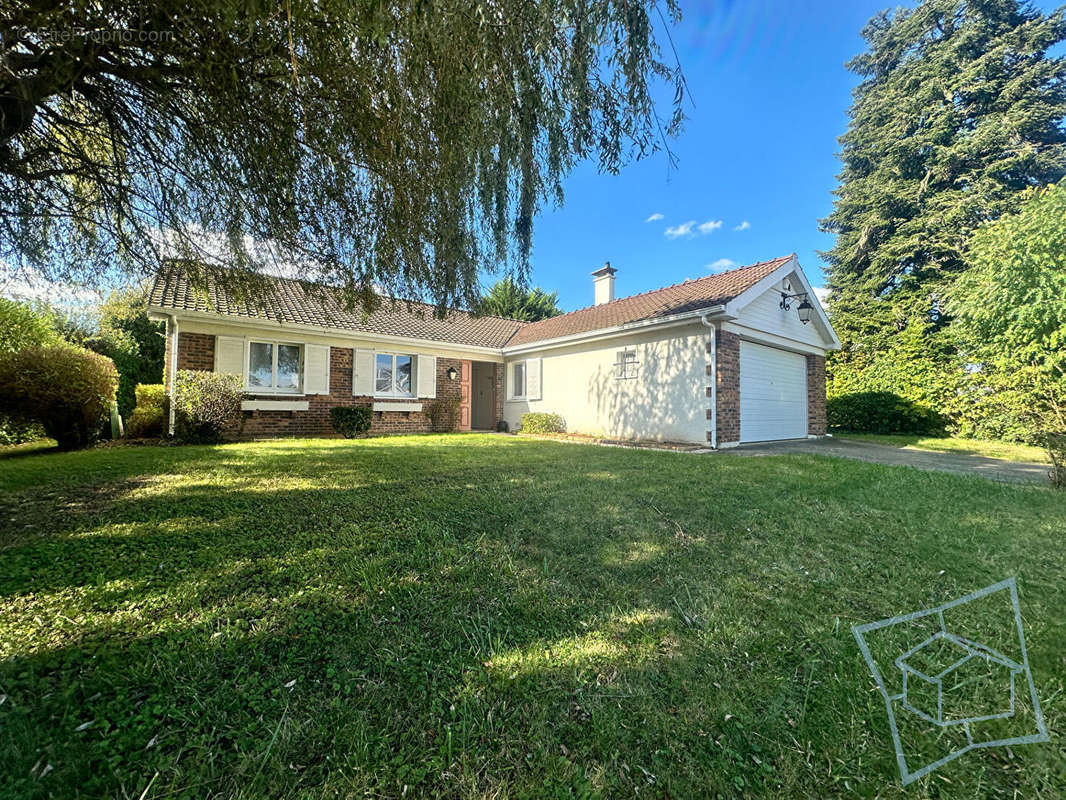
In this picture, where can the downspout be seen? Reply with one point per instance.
(172, 325)
(714, 381)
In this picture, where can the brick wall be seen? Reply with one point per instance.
(728, 387)
(816, 395)
(316, 422)
(196, 351)
(497, 387)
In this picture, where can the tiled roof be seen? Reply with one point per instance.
(302, 303)
(298, 302)
(677, 299)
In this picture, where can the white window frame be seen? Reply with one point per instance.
(414, 374)
(273, 388)
(626, 367)
(525, 380)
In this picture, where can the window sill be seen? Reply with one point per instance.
(380, 405)
(274, 405)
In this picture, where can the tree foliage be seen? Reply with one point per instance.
(22, 325)
(959, 112)
(508, 299)
(399, 145)
(134, 342)
(1011, 305)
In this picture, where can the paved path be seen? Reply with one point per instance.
(964, 463)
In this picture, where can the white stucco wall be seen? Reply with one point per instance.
(666, 401)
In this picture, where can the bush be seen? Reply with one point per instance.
(22, 325)
(17, 431)
(206, 405)
(543, 423)
(882, 412)
(134, 342)
(66, 389)
(1055, 444)
(443, 413)
(149, 417)
(350, 421)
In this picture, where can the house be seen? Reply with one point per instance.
(734, 357)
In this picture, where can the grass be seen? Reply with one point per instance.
(26, 448)
(479, 616)
(1008, 451)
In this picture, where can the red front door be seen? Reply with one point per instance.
(464, 395)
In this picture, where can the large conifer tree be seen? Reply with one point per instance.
(960, 109)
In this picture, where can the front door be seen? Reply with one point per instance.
(464, 396)
(484, 396)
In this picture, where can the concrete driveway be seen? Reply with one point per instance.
(993, 468)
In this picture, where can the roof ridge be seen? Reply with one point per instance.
(685, 282)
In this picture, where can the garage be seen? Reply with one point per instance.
(773, 393)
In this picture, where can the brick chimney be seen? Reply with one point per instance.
(603, 283)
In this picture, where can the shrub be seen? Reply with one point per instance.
(882, 412)
(66, 389)
(206, 404)
(536, 422)
(443, 413)
(1055, 444)
(134, 342)
(149, 417)
(22, 326)
(350, 421)
(17, 431)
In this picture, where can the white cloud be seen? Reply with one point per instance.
(29, 284)
(721, 265)
(655, 217)
(822, 293)
(691, 228)
(743, 226)
(685, 229)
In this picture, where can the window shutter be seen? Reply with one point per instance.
(229, 355)
(363, 373)
(427, 376)
(533, 379)
(316, 369)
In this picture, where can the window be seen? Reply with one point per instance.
(625, 365)
(392, 374)
(274, 367)
(518, 380)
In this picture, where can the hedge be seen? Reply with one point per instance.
(539, 422)
(149, 417)
(67, 389)
(882, 412)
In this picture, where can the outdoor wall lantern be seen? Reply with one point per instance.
(804, 309)
(452, 373)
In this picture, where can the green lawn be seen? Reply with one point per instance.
(978, 447)
(481, 616)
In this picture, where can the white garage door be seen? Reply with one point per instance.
(773, 394)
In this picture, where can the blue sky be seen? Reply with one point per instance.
(769, 97)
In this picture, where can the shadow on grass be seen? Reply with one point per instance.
(523, 619)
